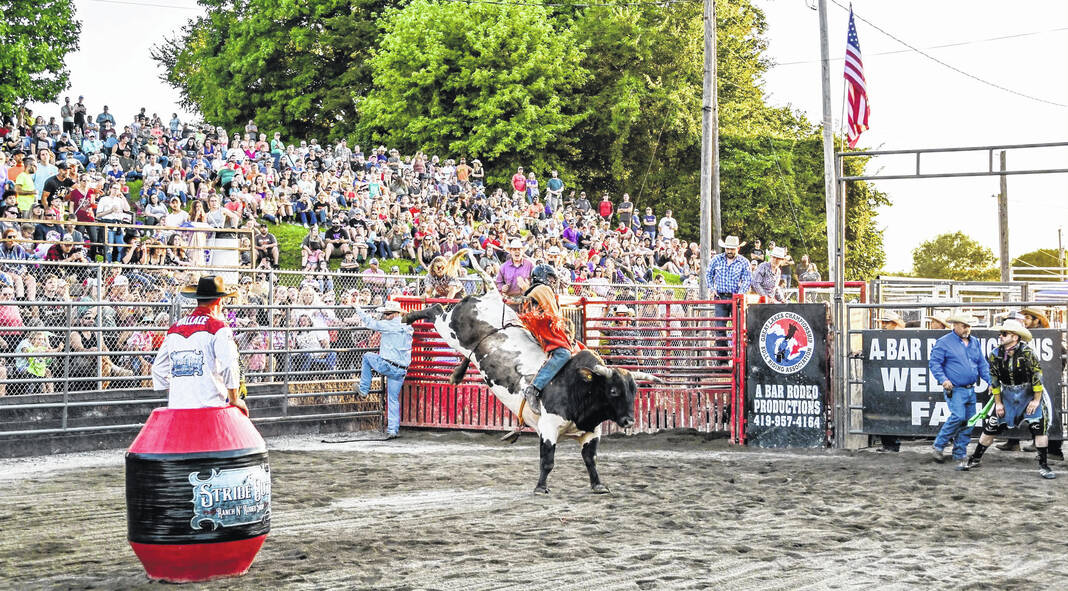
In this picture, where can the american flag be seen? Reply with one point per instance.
(856, 89)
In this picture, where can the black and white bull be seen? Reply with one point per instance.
(584, 394)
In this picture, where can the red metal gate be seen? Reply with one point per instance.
(682, 342)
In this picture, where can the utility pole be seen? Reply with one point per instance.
(710, 228)
(1060, 253)
(828, 146)
(1003, 222)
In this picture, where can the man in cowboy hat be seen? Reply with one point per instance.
(514, 277)
(1032, 318)
(766, 279)
(1016, 385)
(554, 257)
(937, 322)
(727, 274)
(197, 362)
(957, 362)
(394, 355)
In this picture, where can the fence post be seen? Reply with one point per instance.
(288, 363)
(66, 366)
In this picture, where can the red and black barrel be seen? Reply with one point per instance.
(198, 494)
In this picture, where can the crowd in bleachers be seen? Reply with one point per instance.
(70, 199)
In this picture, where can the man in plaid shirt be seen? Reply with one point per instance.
(728, 273)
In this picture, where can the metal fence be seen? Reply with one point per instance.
(861, 317)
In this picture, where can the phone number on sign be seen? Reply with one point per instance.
(811, 421)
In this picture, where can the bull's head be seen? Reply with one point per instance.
(616, 388)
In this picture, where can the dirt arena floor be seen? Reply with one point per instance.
(455, 511)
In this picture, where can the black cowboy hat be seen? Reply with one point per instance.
(210, 287)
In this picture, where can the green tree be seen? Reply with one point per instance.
(1043, 257)
(292, 65)
(483, 80)
(35, 38)
(954, 256)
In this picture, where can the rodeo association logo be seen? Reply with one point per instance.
(786, 342)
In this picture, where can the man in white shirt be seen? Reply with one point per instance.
(668, 226)
(197, 362)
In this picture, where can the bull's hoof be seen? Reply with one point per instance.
(600, 489)
(541, 490)
(511, 436)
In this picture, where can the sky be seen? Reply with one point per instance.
(915, 102)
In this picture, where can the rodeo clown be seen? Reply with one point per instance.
(1016, 385)
(197, 361)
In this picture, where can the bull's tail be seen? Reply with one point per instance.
(452, 265)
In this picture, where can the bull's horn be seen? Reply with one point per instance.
(641, 376)
(601, 370)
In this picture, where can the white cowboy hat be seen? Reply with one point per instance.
(1015, 328)
(962, 318)
(621, 309)
(731, 242)
(392, 306)
(779, 252)
(514, 243)
(889, 316)
(553, 251)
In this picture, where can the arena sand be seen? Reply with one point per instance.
(455, 511)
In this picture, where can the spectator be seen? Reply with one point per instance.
(626, 210)
(605, 208)
(765, 281)
(266, 246)
(514, 277)
(519, 185)
(811, 273)
(649, 223)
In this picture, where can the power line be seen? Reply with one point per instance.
(149, 4)
(957, 44)
(938, 61)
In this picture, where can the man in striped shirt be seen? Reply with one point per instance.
(728, 274)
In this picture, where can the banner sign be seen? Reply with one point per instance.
(786, 375)
(901, 397)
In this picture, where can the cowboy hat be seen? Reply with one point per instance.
(938, 318)
(779, 252)
(622, 309)
(210, 287)
(514, 243)
(1037, 314)
(731, 242)
(889, 316)
(1015, 328)
(391, 307)
(553, 251)
(962, 318)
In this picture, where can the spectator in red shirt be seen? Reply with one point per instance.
(605, 208)
(519, 184)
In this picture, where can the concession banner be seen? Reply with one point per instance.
(786, 375)
(901, 397)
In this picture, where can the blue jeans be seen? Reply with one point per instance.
(557, 358)
(394, 380)
(305, 362)
(721, 340)
(115, 236)
(956, 429)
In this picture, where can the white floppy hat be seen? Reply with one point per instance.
(889, 316)
(392, 306)
(731, 242)
(514, 243)
(779, 252)
(553, 251)
(1015, 328)
(622, 309)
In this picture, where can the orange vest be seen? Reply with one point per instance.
(541, 316)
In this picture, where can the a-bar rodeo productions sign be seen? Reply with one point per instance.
(786, 377)
(901, 397)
